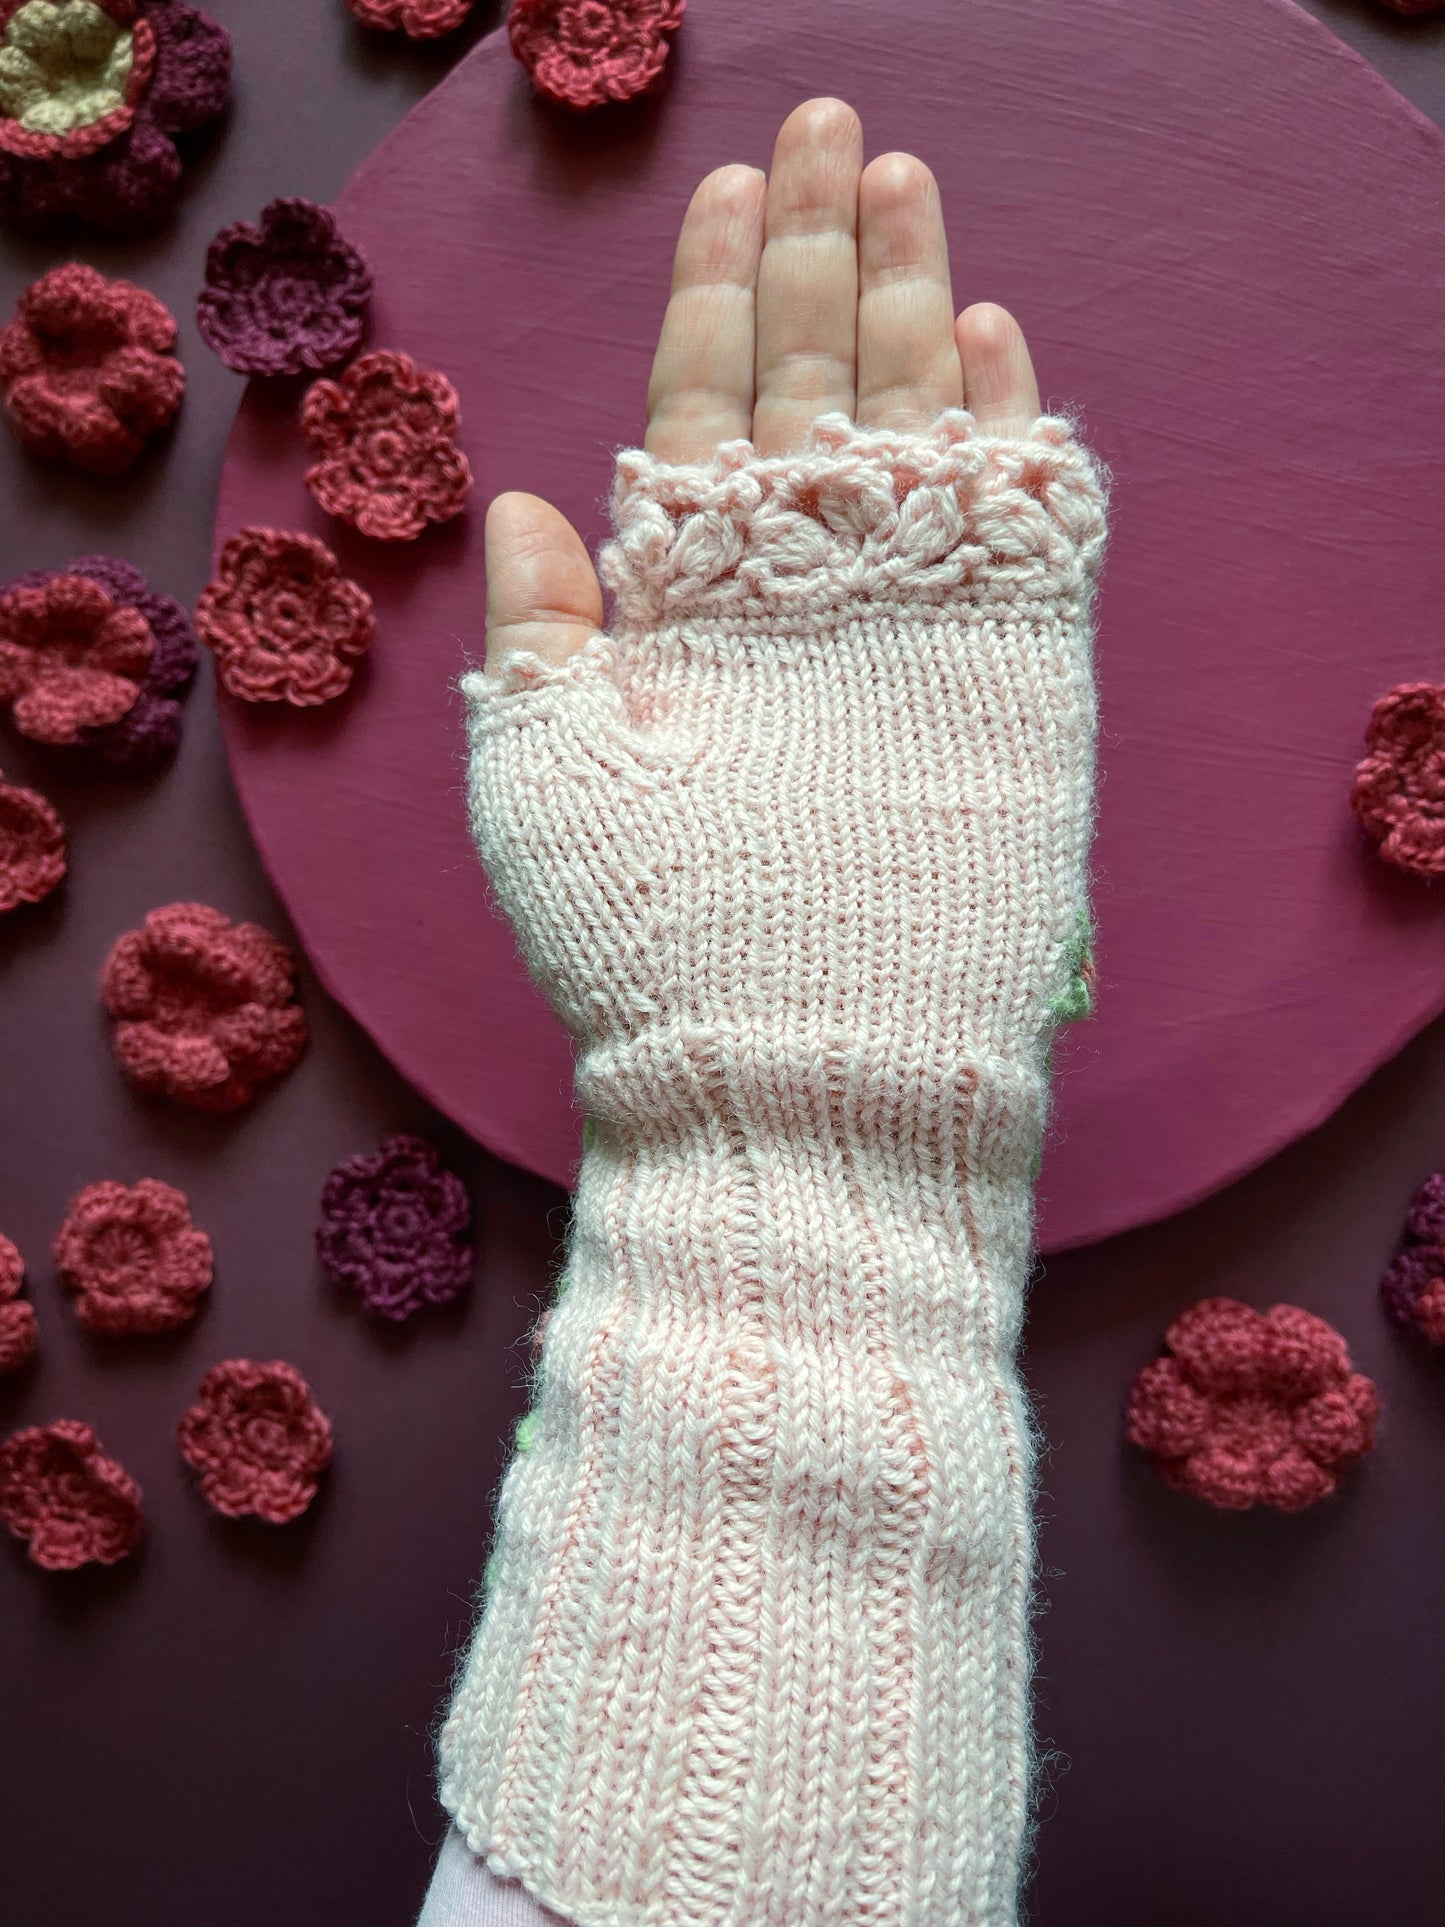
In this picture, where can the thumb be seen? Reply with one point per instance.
(542, 590)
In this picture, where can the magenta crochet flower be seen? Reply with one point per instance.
(584, 53)
(133, 1256)
(92, 94)
(32, 847)
(285, 293)
(17, 1315)
(394, 1228)
(60, 1491)
(283, 622)
(258, 1439)
(385, 435)
(418, 19)
(1413, 1287)
(1399, 789)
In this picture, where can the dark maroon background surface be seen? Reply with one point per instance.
(232, 1728)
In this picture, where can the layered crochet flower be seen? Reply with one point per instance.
(134, 1258)
(17, 1315)
(386, 437)
(72, 658)
(285, 293)
(92, 94)
(1399, 789)
(1252, 1408)
(1413, 1287)
(59, 1490)
(32, 847)
(151, 727)
(394, 1228)
(258, 1439)
(283, 622)
(584, 53)
(204, 1009)
(419, 19)
(87, 369)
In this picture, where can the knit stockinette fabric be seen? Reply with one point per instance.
(798, 853)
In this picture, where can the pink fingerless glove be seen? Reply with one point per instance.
(798, 852)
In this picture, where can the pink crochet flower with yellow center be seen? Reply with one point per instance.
(134, 1258)
(1399, 789)
(386, 437)
(1252, 1408)
(17, 1315)
(258, 1439)
(283, 622)
(59, 1491)
(72, 657)
(32, 847)
(418, 19)
(204, 1009)
(584, 53)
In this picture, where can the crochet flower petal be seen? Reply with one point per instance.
(1220, 1345)
(1399, 789)
(418, 19)
(17, 1317)
(258, 1439)
(283, 294)
(395, 1229)
(32, 847)
(282, 622)
(133, 1257)
(385, 434)
(59, 1491)
(584, 53)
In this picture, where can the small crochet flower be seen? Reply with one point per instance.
(1413, 1287)
(285, 293)
(258, 1439)
(88, 370)
(418, 19)
(134, 1257)
(386, 437)
(1399, 789)
(204, 1009)
(394, 1229)
(283, 622)
(58, 1490)
(584, 53)
(92, 94)
(1252, 1408)
(32, 847)
(17, 1315)
(72, 658)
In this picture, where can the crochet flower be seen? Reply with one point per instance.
(1252, 1409)
(583, 53)
(87, 369)
(283, 294)
(32, 847)
(204, 1009)
(72, 658)
(418, 19)
(134, 1257)
(1399, 789)
(151, 727)
(284, 624)
(92, 93)
(394, 1229)
(60, 1491)
(258, 1439)
(1413, 1287)
(386, 436)
(17, 1316)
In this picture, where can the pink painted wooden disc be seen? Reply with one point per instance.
(1225, 236)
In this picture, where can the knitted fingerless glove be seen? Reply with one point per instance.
(798, 853)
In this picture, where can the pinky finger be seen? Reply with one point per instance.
(999, 385)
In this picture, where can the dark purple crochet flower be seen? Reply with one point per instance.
(1413, 1287)
(283, 294)
(115, 167)
(151, 727)
(394, 1228)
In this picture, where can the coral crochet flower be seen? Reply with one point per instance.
(32, 847)
(1413, 1287)
(394, 1228)
(418, 19)
(92, 94)
(1399, 789)
(204, 1009)
(58, 1490)
(72, 658)
(584, 53)
(1252, 1408)
(284, 624)
(134, 1257)
(17, 1315)
(386, 437)
(283, 294)
(150, 729)
(258, 1439)
(87, 369)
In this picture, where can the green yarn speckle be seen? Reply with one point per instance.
(1076, 1002)
(527, 1432)
(63, 66)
